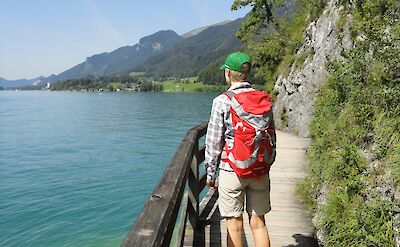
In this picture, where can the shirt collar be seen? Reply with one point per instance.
(239, 85)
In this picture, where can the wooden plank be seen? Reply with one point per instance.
(201, 154)
(208, 203)
(202, 130)
(202, 182)
(193, 189)
(288, 223)
(182, 223)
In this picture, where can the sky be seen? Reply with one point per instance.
(44, 37)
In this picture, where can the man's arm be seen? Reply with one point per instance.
(215, 141)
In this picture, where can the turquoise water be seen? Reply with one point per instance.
(76, 168)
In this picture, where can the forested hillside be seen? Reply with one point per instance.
(123, 59)
(194, 53)
(353, 185)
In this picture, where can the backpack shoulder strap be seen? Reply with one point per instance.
(229, 94)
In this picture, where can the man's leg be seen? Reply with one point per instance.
(258, 204)
(259, 230)
(231, 206)
(235, 231)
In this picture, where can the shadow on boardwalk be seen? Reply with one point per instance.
(289, 223)
(303, 241)
(213, 230)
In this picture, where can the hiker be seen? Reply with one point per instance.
(241, 146)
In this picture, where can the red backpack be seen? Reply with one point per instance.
(254, 147)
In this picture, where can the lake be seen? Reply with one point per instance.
(76, 168)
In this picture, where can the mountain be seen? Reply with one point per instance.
(166, 54)
(159, 53)
(200, 48)
(162, 54)
(14, 83)
(20, 83)
(124, 58)
(201, 29)
(203, 47)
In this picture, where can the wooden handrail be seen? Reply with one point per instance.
(155, 224)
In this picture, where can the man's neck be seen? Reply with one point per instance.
(236, 82)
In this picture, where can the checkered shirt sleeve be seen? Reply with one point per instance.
(215, 138)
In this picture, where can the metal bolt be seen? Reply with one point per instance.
(156, 196)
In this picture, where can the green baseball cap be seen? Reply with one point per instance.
(235, 61)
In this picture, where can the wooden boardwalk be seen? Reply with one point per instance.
(289, 223)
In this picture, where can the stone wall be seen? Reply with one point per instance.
(294, 106)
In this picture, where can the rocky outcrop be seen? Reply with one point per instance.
(294, 110)
(294, 106)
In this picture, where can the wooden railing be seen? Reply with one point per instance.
(155, 224)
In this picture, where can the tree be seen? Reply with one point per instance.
(263, 34)
(259, 18)
(273, 40)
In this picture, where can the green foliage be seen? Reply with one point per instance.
(394, 159)
(312, 8)
(148, 86)
(111, 83)
(87, 84)
(358, 109)
(301, 57)
(187, 86)
(273, 40)
(138, 74)
(211, 74)
(115, 85)
(193, 54)
(359, 224)
(284, 118)
(260, 17)
(340, 24)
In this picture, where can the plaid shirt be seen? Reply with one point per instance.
(220, 131)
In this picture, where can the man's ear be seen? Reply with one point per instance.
(227, 76)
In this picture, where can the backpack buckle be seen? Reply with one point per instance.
(263, 132)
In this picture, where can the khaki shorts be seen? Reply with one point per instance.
(234, 192)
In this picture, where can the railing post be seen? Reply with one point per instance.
(194, 192)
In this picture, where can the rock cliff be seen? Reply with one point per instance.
(293, 108)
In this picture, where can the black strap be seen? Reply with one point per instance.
(244, 86)
(231, 93)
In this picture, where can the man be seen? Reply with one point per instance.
(234, 190)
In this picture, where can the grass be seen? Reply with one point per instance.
(355, 213)
(301, 58)
(192, 79)
(116, 85)
(354, 152)
(190, 86)
(133, 74)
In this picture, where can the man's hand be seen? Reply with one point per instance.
(212, 184)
